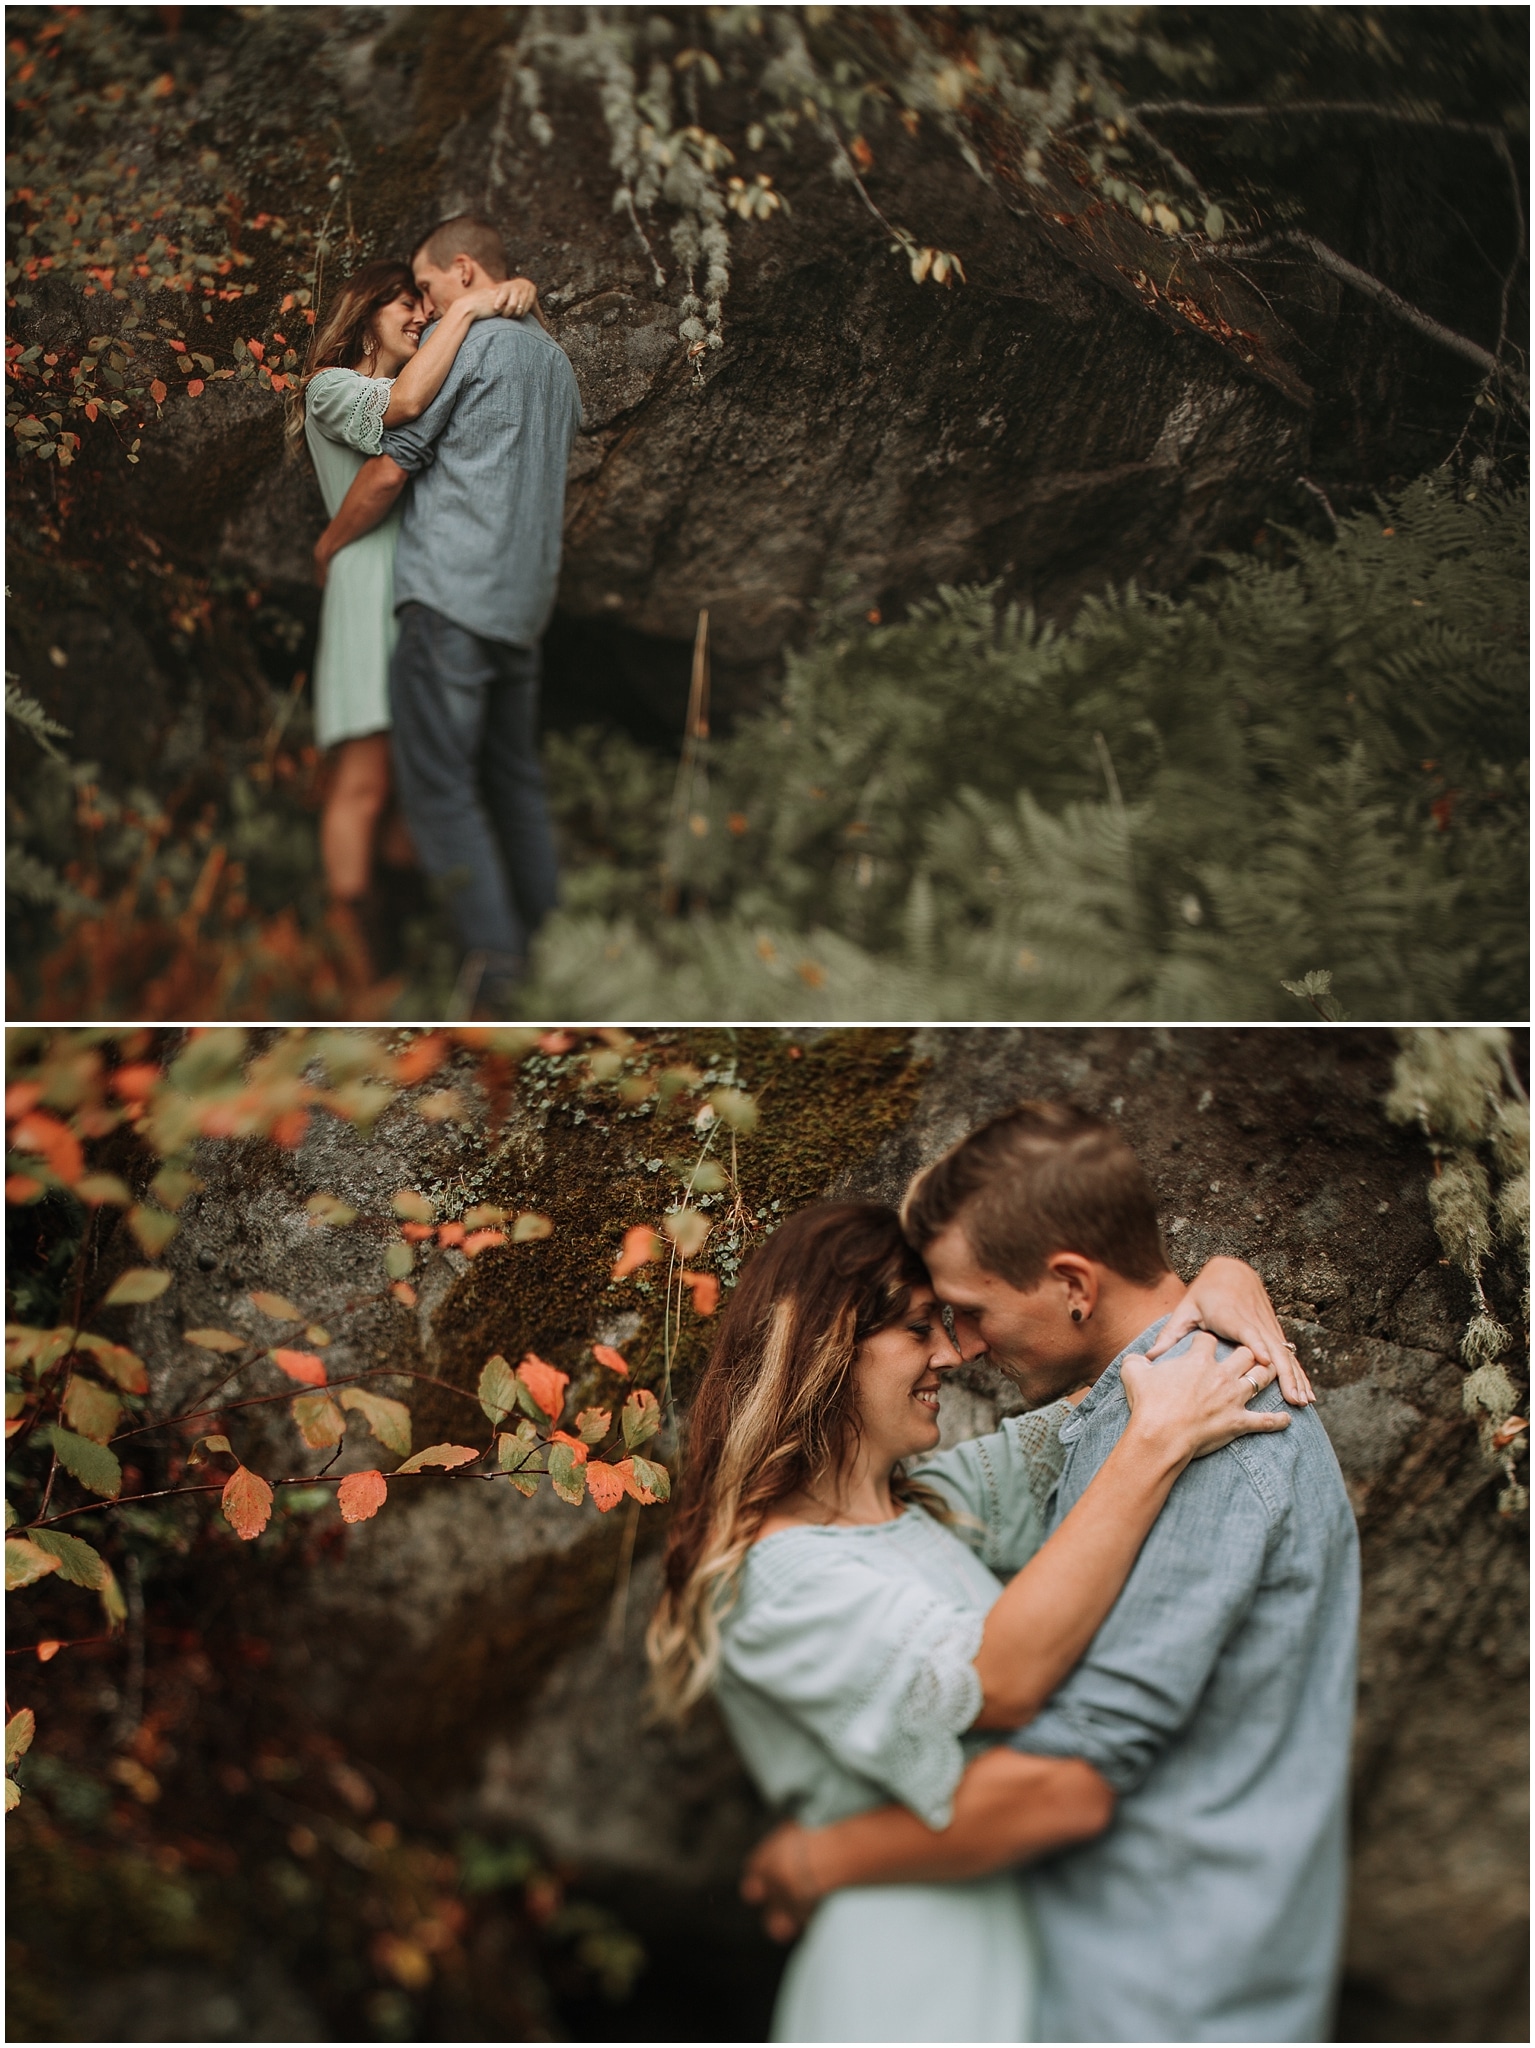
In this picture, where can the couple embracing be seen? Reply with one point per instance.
(439, 417)
(1059, 1717)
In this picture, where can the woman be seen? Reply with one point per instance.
(368, 369)
(848, 1617)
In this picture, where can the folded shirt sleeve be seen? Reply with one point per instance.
(998, 1486)
(879, 1670)
(349, 408)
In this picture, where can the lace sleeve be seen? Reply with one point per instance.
(349, 408)
(999, 1486)
(877, 1669)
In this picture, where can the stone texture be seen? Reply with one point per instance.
(493, 1646)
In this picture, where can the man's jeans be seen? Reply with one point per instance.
(466, 761)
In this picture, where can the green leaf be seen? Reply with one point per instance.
(277, 1306)
(399, 1260)
(593, 1424)
(215, 1340)
(92, 1464)
(153, 1228)
(26, 1563)
(1215, 223)
(12, 1795)
(736, 1108)
(527, 1404)
(332, 1210)
(103, 1187)
(116, 1361)
(388, 1420)
(414, 1208)
(654, 1479)
(567, 1476)
(642, 1417)
(78, 1562)
(113, 1605)
(514, 1455)
(138, 1284)
(91, 1410)
(19, 1731)
(498, 1389)
(320, 1422)
(172, 1184)
(10, 1516)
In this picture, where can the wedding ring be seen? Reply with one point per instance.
(1256, 1385)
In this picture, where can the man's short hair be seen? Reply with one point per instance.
(465, 234)
(1039, 1179)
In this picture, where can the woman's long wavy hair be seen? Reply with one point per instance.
(775, 1411)
(338, 339)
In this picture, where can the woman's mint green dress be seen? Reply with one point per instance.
(847, 1680)
(343, 426)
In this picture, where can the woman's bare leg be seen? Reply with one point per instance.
(349, 824)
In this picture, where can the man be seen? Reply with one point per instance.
(1215, 1703)
(476, 566)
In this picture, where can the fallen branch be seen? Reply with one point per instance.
(1373, 288)
(1368, 109)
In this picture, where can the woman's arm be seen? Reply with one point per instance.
(1227, 1296)
(1008, 1809)
(1053, 1608)
(421, 379)
(372, 497)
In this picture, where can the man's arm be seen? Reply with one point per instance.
(1008, 1809)
(1193, 1586)
(375, 491)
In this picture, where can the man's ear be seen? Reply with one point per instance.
(1078, 1277)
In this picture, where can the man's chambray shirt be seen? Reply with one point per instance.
(480, 540)
(1217, 1699)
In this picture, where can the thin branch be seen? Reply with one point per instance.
(1372, 287)
(1175, 164)
(1322, 499)
(1367, 108)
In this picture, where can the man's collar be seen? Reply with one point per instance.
(1108, 1381)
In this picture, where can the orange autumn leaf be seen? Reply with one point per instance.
(361, 1495)
(450, 1233)
(257, 349)
(20, 1187)
(135, 1082)
(289, 1128)
(404, 1292)
(641, 1245)
(544, 1382)
(47, 1651)
(605, 1485)
(420, 1059)
(247, 1503)
(632, 1484)
(195, 387)
(157, 392)
(45, 1135)
(613, 1360)
(706, 1292)
(417, 1233)
(481, 1241)
(303, 1366)
(579, 1450)
(555, 1042)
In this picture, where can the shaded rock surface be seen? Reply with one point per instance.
(494, 1645)
(1052, 424)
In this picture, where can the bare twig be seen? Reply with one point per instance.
(1367, 109)
(1373, 288)
(1322, 499)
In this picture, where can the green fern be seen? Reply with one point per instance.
(1173, 809)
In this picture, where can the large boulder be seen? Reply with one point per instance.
(487, 1650)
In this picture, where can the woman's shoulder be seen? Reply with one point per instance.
(348, 407)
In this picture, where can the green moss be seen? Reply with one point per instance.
(574, 1153)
